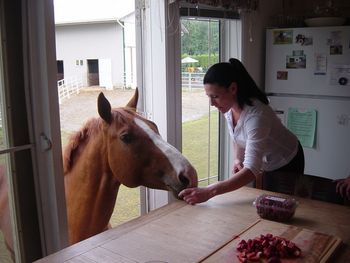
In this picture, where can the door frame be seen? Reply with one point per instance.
(167, 48)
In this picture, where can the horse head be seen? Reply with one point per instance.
(137, 155)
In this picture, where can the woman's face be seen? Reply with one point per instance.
(220, 97)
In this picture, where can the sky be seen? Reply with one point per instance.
(83, 10)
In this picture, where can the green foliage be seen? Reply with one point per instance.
(204, 61)
(200, 40)
(200, 37)
(2, 139)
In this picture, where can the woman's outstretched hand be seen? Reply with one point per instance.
(195, 195)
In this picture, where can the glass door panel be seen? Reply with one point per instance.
(200, 122)
(6, 234)
(106, 66)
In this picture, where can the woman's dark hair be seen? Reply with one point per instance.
(224, 73)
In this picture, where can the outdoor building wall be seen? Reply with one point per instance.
(90, 41)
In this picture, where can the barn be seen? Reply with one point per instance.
(97, 52)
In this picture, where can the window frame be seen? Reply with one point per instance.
(169, 51)
(36, 186)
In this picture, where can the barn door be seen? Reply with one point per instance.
(93, 72)
(60, 70)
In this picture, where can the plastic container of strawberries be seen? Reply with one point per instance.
(275, 207)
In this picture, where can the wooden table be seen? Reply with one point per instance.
(183, 233)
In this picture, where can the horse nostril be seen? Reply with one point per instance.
(184, 180)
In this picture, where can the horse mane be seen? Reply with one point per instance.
(76, 140)
(80, 138)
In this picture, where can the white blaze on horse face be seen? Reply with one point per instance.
(174, 156)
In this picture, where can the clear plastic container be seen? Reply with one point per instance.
(275, 207)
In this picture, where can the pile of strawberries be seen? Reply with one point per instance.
(272, 248)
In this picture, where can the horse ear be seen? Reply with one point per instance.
(133, 101)
(104, 108)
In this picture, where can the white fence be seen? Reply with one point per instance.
(192, 80)
(68, 87)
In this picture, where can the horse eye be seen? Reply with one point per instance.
(126, 138)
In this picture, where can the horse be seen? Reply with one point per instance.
(119, 147)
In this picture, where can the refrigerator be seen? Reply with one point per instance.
(307, 79)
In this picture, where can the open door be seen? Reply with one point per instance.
(93, 72)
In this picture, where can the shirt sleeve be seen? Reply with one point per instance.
(257, 129)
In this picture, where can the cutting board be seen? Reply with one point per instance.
(315, 246)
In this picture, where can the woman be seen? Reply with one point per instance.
(261, 142)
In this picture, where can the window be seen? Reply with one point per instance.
(17, 158)
(104, 63)
(222, 39)
(29, 126)
(159, 76)
(200, 48)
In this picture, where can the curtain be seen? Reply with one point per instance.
(234, 5)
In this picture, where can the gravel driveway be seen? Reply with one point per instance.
(76, 110)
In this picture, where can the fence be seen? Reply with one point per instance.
(192, 80)
(68, 87)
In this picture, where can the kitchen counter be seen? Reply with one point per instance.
(183, 233)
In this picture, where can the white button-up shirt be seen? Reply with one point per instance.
(268, 144)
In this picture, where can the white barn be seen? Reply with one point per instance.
(97, 52)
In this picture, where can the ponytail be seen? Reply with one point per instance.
(223, 74)
(247, 88)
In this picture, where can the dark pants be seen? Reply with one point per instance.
(284, 179)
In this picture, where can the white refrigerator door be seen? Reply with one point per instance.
(317, 64)
(330, 157)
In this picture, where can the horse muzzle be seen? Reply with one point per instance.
(186, 178)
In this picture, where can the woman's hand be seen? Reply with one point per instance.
(195, 195)
(343, 187)
(237, 166)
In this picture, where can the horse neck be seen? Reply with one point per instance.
(91, 169)
(91, 189)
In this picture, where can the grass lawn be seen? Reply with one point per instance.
(195, 148)
(200, 147)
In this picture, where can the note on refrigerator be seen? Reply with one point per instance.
(303, 124)
(320, 64)
(340, 75)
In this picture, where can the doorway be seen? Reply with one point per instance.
(60, 70)
(93, 72)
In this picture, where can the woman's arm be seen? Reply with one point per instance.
(238, 158)
(201, 194)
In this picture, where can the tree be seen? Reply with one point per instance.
(200, 37)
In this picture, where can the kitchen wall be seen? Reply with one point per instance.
(273, 13)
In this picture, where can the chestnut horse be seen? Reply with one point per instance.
(120, 147)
